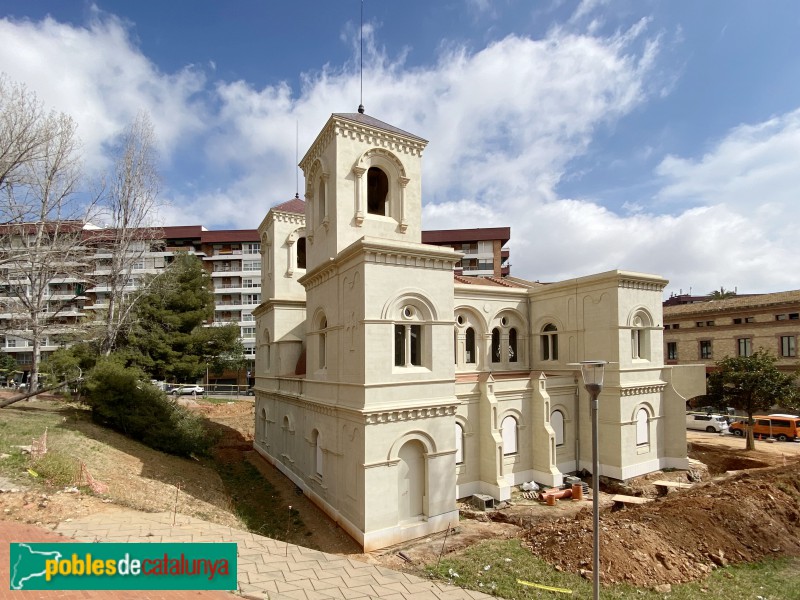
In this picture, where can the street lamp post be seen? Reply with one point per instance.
(592, 372)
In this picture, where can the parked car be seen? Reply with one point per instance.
(782, 427)
(707, 422)
(188, 389)
(729, 412)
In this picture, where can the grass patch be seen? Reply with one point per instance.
(56, 469)
(508, 561)
(19, 425)
(223, 400)
(258, 504)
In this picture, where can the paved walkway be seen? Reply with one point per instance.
(268, 568)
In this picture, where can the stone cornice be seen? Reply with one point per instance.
(642, 284)
(287, 217)
(277, 302)
(410, 414)
(370, 417)
(377, 137)
(376, 250)
(318, 147)
(319, 275)
(653, 388)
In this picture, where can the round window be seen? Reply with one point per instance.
(460, 319)
(408, 312)
(503, 321)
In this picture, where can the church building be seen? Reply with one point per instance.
(387, 387)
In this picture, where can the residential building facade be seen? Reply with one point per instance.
(232, 257)
(706, 331)
(482, 248)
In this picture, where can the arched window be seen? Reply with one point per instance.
(318, 455)
(323, 343)
(549, 342)
(408, 339)
(640, 336)
(470, 346)
(495, 345)
(642, 427)
(509, 427)
(459, 444)
(407, 345)
(377, 191)
(512, 345)
(301, 253)
(557, 423)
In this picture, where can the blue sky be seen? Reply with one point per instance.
(655, 136)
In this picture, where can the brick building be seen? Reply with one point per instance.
(705, 332)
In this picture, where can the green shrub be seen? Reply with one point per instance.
(122, 399)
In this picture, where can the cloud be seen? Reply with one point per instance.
(749, 181)
(98, 76)
(503, 122)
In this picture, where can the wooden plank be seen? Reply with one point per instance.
(630, 499)
(672, 484)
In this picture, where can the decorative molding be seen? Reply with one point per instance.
(358, 200)
(368, 135)
(411, 414)
(638, 284)
(405, 258)
(388, 156)
(318, 277)
(318, 147)
(655, 388)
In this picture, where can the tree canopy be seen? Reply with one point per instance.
(752, 384)
(168, 339)
(721, 294)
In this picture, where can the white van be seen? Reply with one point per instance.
(707, 422)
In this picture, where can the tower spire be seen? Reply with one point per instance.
(361, 32)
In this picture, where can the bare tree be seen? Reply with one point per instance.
(24, 131)
(42, 250)
(129, 206)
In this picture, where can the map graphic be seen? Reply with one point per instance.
(27, 564)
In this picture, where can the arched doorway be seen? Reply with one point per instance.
(411, 482)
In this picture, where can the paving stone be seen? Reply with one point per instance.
(349, 594)
(329, 582)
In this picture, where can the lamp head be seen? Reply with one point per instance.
(592, 372)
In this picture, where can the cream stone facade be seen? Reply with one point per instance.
(386, 388)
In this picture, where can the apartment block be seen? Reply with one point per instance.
(706, 331)
(482, 248)
(232, 257)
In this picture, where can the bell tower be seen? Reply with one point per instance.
(363, 179)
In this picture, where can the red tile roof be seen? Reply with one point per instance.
(295, 205)
(439, 236)
(490, 281)
(230, 235)
(183, 231)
